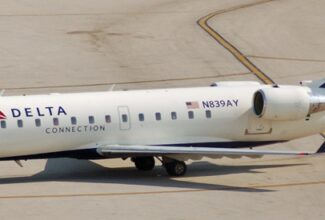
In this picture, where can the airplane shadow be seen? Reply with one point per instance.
(72, 170)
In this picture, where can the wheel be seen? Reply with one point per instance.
(176, 168)
(144, 163)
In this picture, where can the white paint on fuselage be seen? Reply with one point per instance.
(226, 124)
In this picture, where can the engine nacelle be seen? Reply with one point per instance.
(282, 103)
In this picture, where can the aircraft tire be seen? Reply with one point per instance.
(176, 168)
(144, 163)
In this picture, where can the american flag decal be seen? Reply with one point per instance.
(2, 115)
(192, 105)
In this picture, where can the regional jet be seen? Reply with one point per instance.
(226, 119)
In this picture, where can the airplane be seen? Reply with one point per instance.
(226, 119)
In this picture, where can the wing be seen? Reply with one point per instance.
(184, 153)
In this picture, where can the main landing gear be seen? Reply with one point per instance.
(173, 167)
(144, 163)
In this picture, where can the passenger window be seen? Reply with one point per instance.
(38, 122)
(190, 114)
(3, 124)
(20, 123)
(124, 118)
(141, 117)
(208, 113)
(55, 121)
(73, 120)
(158, 116)
(91, 119)
(173, 115)
(108, 119)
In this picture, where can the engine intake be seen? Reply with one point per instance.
(286, 103)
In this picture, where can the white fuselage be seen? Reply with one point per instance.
(62, 122)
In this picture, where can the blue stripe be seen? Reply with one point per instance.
(87, 154)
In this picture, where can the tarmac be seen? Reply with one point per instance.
(72, 46)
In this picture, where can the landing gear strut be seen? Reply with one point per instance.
(144, 163)
(174, 167)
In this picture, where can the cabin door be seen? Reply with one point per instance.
(124, 117)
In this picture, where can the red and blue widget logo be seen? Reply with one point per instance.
(2, 116)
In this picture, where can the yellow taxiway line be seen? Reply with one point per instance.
(203, 23)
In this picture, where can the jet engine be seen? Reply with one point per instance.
(286, 103)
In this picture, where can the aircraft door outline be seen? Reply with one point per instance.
(124, 117)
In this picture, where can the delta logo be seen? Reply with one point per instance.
(2, 116)
(37, 111)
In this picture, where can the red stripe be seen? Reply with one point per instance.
(2, 116)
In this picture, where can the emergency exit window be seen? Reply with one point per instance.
(124, 118)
